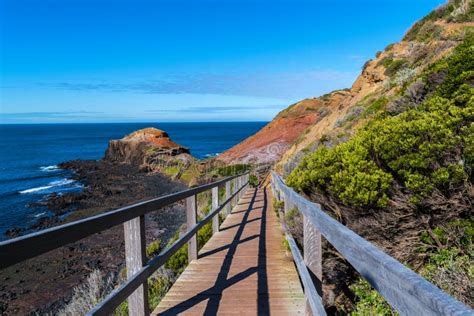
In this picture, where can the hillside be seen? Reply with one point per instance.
(392, 158)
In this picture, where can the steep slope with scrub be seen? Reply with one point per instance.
(397, 165)
(392, 158)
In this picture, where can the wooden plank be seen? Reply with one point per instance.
(114, 299)
(228, 193)
(313, 300)
(313, 259)
(215, 205)
(241, 269)
(406, 291)
(314, 304)
(191, 216)
(234, 189)
(135, 259)
(31, 245)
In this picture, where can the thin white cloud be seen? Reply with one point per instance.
(288, 85)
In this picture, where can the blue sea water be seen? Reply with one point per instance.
(29, 155)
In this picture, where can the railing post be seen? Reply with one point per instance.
(135, 258)
(313, 257)
(286, 202)
(234, 189)
(241, 182)
(215, 204)
(237, 187)
(228, 207)
(191, 214)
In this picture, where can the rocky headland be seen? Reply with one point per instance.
(130, 171)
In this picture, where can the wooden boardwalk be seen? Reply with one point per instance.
(243, 269)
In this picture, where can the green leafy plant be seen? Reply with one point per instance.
(450, 258)
(153, 248)
(253, 181)
(369, 301)
(233, 170)
(424, 148)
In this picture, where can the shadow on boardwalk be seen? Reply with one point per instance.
(231, 273)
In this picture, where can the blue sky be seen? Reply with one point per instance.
(200, 60)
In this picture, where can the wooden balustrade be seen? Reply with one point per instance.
(133, 218)
(407, 292)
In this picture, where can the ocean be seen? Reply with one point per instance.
(29, 155)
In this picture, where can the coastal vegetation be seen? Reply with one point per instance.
(392, 158)
(402, 157)
(424, 149)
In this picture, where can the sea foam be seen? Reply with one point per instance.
(53, 184)
(49, 168)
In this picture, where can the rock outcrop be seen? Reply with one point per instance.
(140, 146)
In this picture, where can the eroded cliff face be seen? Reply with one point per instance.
(333, 117)
(149, 148)
(268, 144)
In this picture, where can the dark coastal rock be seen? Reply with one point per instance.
(123, 177)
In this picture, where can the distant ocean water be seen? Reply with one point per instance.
(29, 155)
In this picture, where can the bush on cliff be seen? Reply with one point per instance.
(425, 148)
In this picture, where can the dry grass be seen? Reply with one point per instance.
(87, 295)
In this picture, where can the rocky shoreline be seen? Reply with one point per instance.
(43, 284)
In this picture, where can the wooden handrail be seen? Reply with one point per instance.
(313, 298)
(114, 299)
(406, 291)
(135, 288)
(24, 247)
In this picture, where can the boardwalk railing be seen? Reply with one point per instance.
(407, 292)
(133, 218)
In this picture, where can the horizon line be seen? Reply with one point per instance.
(131, 122)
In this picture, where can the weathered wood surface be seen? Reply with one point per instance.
(113, 300)
(314, 304)
(191, 217)
(228, 193)
(313, 258)
(31, 245)
(135, 259)
(215, 204)
(406, 291)
(242, 269)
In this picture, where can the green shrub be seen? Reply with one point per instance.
(451, 266)
(153, 249)
(414, 31)
(344, 171)
(423, 148)
(233, 170)
(179, 260)
(294, 222)
(392, 66)
(369, 301)
(376, 106)
(285, 244)
(459, 68)
(278, 206)
(157, 288)
(253, 181)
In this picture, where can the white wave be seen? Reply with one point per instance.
(40, 214)
(61, 182)
(212, 155)
(49, 168)
(33, 190)
(53, 184)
